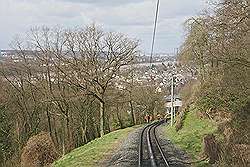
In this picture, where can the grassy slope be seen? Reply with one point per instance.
(190, 136)
(94, 151)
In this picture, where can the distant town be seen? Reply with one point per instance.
(160, 69)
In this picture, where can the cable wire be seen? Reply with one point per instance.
(154, 32)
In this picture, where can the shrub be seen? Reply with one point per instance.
(39, 151)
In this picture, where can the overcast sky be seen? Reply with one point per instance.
(131, 17)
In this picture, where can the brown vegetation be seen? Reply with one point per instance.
(211, 148)
(217, 47)
(180, 118)
(39, 151)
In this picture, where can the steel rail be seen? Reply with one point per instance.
(140, 158)
(159, 146)
(150, 150)
(148, 129)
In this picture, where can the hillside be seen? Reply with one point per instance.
(92, 153)
(190, 137)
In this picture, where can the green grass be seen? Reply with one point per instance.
(190, 137)
(93, 152)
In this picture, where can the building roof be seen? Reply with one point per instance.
(168, 98)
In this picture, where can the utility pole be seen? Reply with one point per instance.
(177, 51)
(172, 101)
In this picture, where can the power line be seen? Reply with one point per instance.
(155, 23)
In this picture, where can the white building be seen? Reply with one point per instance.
(177, 103)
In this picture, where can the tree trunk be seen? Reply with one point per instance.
(108, 124)
(49, 122)
(63, 146)
(84, 138)
(119, 117)
(101, 118)
(55, 132)
(132, 113)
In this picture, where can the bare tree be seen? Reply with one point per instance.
(87, 58)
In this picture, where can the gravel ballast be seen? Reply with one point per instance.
(127, 153)
(175, 156)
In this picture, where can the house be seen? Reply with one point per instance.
(177, 103)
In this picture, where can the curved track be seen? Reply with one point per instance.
(150, 151)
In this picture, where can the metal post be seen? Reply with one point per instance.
(174, 110)
(172, 100)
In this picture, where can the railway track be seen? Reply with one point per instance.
(150, 151)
